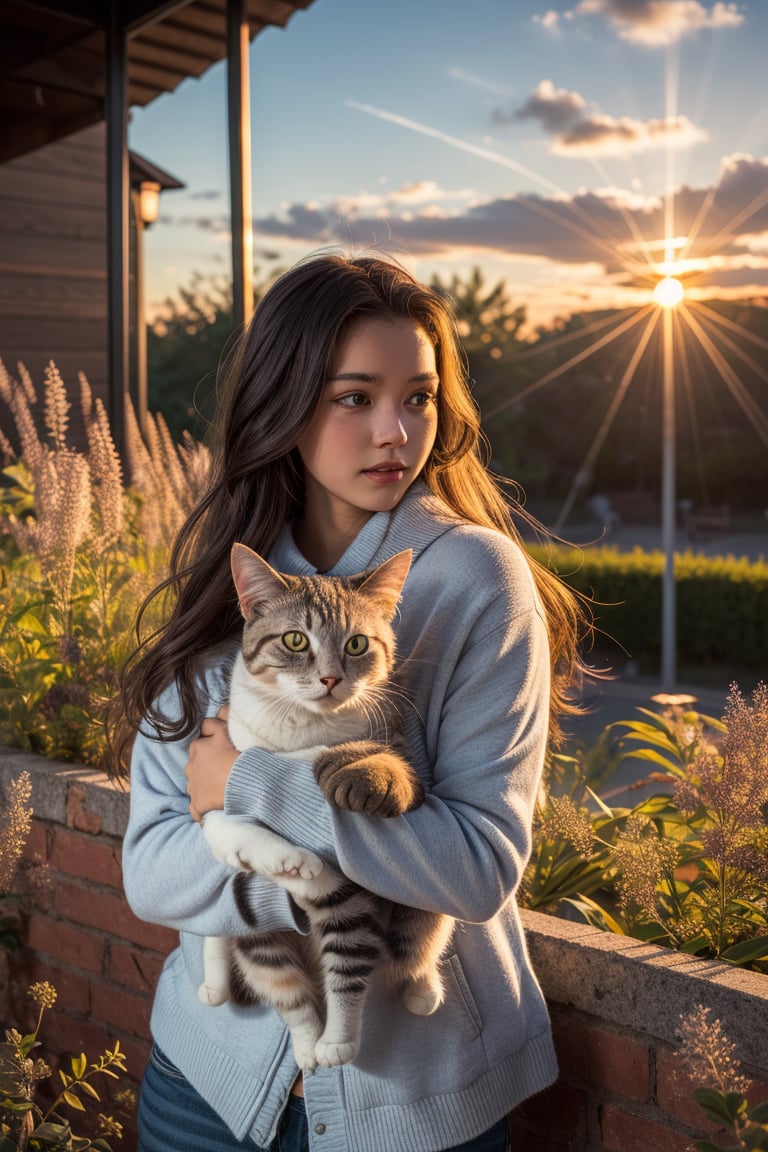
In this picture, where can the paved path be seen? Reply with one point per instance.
(753, 545)
(619, 699)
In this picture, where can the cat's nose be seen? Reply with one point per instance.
(330, 682)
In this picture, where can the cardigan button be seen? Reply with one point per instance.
(319, 1129)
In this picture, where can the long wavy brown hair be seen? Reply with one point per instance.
(272, 389)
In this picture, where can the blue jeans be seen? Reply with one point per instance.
(171, 1111)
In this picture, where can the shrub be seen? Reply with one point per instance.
(721, 600)
(80, 552)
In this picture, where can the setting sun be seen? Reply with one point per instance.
(668, 292)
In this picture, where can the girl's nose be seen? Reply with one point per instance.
(390, 429)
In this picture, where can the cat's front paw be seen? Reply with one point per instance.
(367, 777)
(291, 862)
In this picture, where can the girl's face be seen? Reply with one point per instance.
(375, 426)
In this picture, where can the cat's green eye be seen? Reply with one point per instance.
(356, 645)
(295, 641)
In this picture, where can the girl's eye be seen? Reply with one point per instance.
(353, 400)
(295, 641)
(421, 399)
(356, 645)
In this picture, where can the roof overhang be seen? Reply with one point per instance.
(53, 57)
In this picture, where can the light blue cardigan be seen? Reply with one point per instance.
(475, 665)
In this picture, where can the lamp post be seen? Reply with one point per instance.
(668, 293)
(146, 205)
(147, 183)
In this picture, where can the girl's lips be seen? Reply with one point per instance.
(389, 474)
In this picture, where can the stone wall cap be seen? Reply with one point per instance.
(74, 795)
(630, 983)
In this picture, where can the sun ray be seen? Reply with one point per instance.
(727, 233)
(630, 221)
(725, 322)
(702, 214)
(568, 337)
(619, 330)
(745, 401)
(739, 353)
(600, 436)
(670, 101)
(692, 409)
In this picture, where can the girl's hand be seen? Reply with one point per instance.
(211, 757)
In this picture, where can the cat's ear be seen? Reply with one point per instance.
(386, 582)
(255, 580)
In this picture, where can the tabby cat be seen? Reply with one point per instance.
(311, 680)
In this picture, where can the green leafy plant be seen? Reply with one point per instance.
(27, 1124)
(686, 868)
(80, 552)
(710, 1057)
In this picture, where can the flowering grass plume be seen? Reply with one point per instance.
(645, 860)
(15, 826)
(710, 1059)
(709, 1055)
(81, 547)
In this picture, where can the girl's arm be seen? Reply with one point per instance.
(170, 874)
(477, 646)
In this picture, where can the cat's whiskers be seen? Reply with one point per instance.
(395, 697)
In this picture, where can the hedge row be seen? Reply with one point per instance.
(722, 603)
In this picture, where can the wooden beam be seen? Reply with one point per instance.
(239, 117)
(139, 14)
(86, 12)
(116, 107)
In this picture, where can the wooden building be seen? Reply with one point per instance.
(69, 72)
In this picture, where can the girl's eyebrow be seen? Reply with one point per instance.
(372, 378)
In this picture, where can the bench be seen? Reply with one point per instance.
(708, 518)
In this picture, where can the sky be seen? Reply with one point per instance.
(577, 151)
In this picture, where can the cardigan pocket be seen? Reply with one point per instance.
(464, 992)
(405, 1058)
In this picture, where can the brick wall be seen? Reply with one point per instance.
(616, 1006)
(615, 1003)
(78, 932)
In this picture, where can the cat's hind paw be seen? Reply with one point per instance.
(330, 1054)
(304, 1051)
(212, 995)
(423, 997)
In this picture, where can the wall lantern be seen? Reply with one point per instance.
(149, 202)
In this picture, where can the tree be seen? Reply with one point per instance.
(186, 349)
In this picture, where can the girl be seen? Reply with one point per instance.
(348, 434)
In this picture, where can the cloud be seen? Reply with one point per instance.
(555, 109)
(658, 23)
(564, 115)
(592, 226)
(607, 136)
(550, 21)
(475, 81)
